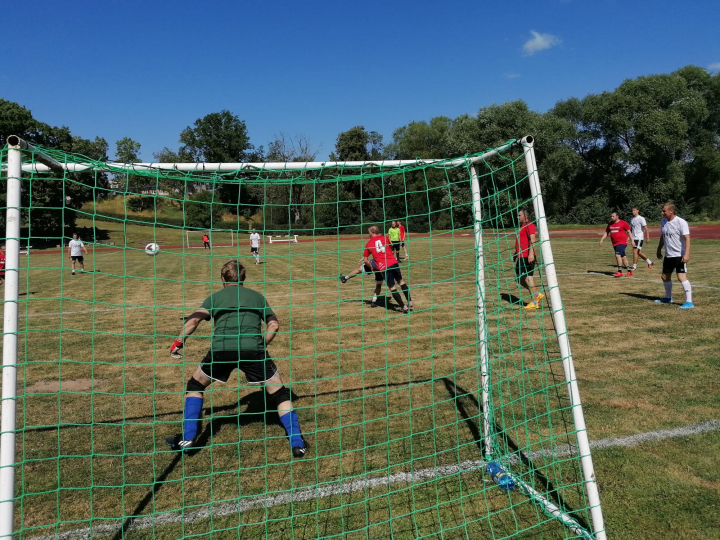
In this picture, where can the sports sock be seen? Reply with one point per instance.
(374, 299)
(648, 261)
(619, 268)
(406, 291)
(292, 428)
(668, 289)
(398, 299)
(193, 408)
(688, 290)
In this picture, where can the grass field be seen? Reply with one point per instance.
(379, 395)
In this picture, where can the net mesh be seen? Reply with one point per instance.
(389, 403)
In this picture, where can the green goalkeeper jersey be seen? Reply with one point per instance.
(394, 234)
(238, 314)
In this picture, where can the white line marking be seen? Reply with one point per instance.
(306, 494)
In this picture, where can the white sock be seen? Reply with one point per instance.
(688, 290)
(648, 261)
(668, 289)
(374, 299)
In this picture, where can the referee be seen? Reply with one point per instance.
(237, 343)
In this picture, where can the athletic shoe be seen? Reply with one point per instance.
(72, 273)
(650, 265)
(373, 303)
(634, 267)
(687, 305)
(405, 310)
(539, 297)
(406, 259)
(629, 273)
(176, 442)
(618, 274)
(343, 279)
(663, 301)
(300, 451)
(411, 304)
(531, 306)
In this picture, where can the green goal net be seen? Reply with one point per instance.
(404, 410)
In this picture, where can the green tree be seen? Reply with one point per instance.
(358, 144)
(203, 210)
(218, 138)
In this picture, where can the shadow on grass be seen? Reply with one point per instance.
(601, 272)
(511, 299)
(641, 296)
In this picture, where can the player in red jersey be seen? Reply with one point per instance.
(525, 258)
(402, 240)
(2, 264)
(379, 247)
(619, 233)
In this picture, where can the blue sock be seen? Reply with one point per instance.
(292, 427)
(193, 408)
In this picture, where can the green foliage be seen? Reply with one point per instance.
(203, 211)
(358, 144)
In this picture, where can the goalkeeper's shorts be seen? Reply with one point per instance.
(257, 366)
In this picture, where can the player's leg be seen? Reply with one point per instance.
(196, 386)
(666, 276)
(81, 260)
(681, 272)
(619, 254)
(404, 246)
(361, 269)
(378, 288)
(636, 253)
(406, 291)
(278, 397)
(390, 277)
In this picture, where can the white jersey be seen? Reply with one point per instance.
(254, 240)
(636, 227)
(76, 247)
(673, 233)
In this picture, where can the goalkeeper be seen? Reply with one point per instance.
(237, 343)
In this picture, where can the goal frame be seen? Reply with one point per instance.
(15, 168)
(233, 237)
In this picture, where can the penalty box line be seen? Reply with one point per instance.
(306, 494)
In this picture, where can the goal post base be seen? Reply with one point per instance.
(289, 239)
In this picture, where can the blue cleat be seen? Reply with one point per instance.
(663, 301)
(687, 305)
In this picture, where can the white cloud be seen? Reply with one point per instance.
(540, 42)
(714, 67)
(511, 75)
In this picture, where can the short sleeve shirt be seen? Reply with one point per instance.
(2, 263)
(673, 233)
(254, 240)
(617, 232)
(636, 227)
(75, 248)
(394, 234)
(402, 232)
(522, 241)
(382, 255)
(238, 314)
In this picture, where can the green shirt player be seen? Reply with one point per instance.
(237, 343)
(394, 237)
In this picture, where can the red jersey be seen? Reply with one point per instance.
(2, 263)
(382, 255)
(402, 232)
(522, 240)
(617, 234)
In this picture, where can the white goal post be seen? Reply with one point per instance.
(218, 238)
(290, 239)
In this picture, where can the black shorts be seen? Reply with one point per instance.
(620, 249)
(392, 275)
(395, 245)
(253, 250)
(78, 258)
(257, 366)
(369, 269)
(639, 243)
(675, 264)
(523, 267)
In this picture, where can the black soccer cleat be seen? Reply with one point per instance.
(300, 451)
(176, 442)
(343, 279)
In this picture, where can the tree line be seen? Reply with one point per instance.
(651, 140)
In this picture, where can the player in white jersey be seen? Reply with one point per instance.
(675, 237)
(255, 245)
(75, 252)
(640, 234)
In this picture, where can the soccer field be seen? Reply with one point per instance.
(379, 394)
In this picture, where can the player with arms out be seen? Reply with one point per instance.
(255, 245)
(640, 235)
(75, 252)
(403, 238)
(387, 264)
(675, 238)
(525, 258)
(394, 238)
(237, 343)
(367, 268)
(619, 232)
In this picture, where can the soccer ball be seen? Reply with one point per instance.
(152, 249)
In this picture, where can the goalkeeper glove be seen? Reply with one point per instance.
(175, 349)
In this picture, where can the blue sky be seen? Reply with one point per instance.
(147, 69)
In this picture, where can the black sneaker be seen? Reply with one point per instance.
(343, 279)
(300, 451)
(176, 442)
(373, 303)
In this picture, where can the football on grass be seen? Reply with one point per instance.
(152, 249)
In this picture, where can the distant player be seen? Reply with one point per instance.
(75, 252)
(387, 264)
(403, 238)
(237, 343)
(206, 241)
(619, 232)
(675, 237)
(255, 245)
(640, 234)
(2, 264)
(394, 237)
(367, 268)
(525, 258)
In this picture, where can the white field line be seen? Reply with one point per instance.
(317, 293)
(353, 486)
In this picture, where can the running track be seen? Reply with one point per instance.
(702, 232)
